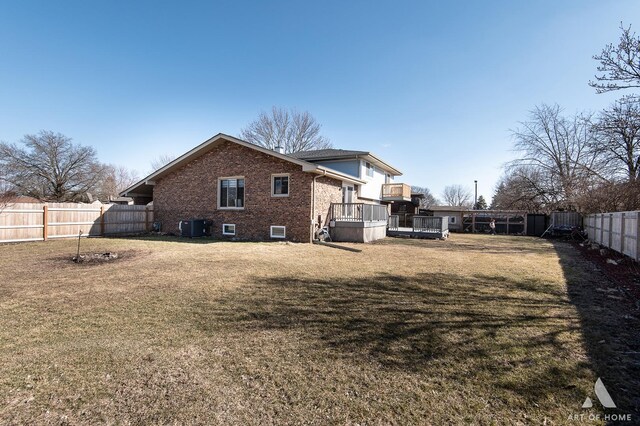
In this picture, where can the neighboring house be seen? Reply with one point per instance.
(22, 199)
(455, 214)
(406, 210)
(126, 201)
(252, 193)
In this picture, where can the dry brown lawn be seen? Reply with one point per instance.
(473, 330)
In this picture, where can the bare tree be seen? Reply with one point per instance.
(160, 161)
(611, 196)
(428, 200)
(48, 166)
(457, 195)
(6, 199)
(620, 64)
(292, 130)
(618, 141)
(116, 179)
(525, 188)
(556, 151)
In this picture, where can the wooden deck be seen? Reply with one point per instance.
(411, 233)
(423, 227)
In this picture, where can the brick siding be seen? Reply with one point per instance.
(327, 191)
(192, 191)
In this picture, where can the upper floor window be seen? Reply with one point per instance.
(231, 193)
(279, 185)
(369, 168)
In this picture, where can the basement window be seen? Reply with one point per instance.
(278, 232)
(228, 229)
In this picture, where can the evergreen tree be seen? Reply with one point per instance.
(481, 204)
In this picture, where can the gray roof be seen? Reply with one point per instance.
(144, 188)
(317, 154)
(335, 154)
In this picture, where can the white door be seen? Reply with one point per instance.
(347, 194)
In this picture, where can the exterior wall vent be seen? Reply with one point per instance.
(278, 232)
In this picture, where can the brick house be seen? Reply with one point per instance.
(250, 193)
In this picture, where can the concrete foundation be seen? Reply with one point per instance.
(358, 232)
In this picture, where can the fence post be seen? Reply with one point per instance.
(102, 221)
(601, 228)
(610, 230)
(45, 222)
(638, 235)
(622, 217)
(146, 218)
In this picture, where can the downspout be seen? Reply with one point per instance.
(313, 204)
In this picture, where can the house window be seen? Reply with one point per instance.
(228, 229)
(369, 168)
(280, 185)
(231, 194)
(278, 232)
(452, 219)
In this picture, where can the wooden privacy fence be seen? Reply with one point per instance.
(619, 231)
(40, 222)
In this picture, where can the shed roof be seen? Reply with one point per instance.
(448, 208)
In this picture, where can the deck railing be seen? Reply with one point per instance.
(359, 212)
(394, 222)
(430, 223)
(396, 190)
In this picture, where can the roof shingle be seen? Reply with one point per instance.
(317, 154)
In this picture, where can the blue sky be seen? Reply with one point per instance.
(432, 87)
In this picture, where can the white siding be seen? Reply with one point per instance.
(373, 188)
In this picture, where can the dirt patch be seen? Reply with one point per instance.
(622, 271)
(107, 257)
(96, 258)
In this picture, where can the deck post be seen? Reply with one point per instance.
(507, 225)
(473, 222)
(525, 223)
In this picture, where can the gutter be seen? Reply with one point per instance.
(313, 203)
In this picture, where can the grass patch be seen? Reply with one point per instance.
(475, 329)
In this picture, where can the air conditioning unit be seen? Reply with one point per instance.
(195, 228)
